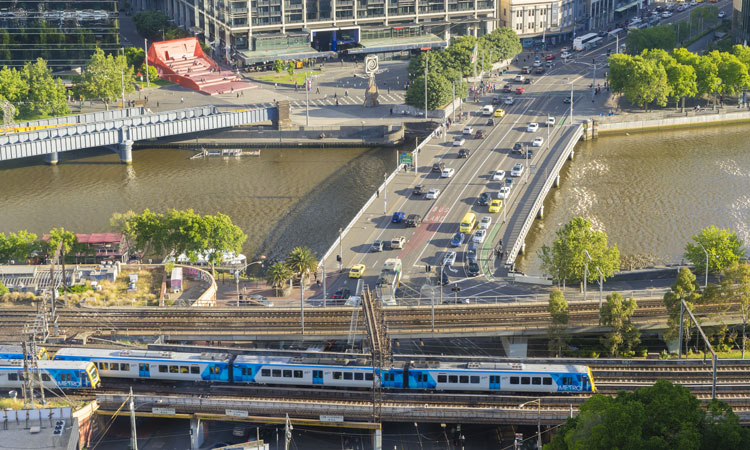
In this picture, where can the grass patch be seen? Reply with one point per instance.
(156, 82)
(284, 78)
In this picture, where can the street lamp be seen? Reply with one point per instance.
(601, 293)
(706, 252)
(538, 419)
(585, 272)
(237, 275)
(341, 251)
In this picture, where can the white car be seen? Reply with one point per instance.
(550, 121)
(509, 100)
(449, 259)
(665, 14)
(565, 49)
(433, 193)
(538, 141)
(520, 78)
(479, 236)
(504, 193)
(721, 14)
(447, 172)
(498, 175)
(458, 141)
(517, 170)
(485, 222)
(537, 63)
(468, 130)
(565, 55)
(533, 127)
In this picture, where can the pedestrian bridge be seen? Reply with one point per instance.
(118, 130)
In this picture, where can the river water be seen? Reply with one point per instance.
(650, 192)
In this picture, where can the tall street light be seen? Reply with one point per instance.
(538, 419)
(341, 251)
(237, 275)
(585, 272)
(706, 252)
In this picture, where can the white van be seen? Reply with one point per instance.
(488, 110)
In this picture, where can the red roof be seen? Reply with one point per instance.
(95, 238)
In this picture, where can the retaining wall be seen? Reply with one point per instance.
(689, 120)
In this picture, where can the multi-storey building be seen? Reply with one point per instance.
(548, 20)
(741, 21)
(256, 31)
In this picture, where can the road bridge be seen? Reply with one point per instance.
(119, 129)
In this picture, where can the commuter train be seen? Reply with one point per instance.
(16, 352)
(329, 372)
(53, 374)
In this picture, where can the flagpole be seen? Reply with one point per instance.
(308, 85)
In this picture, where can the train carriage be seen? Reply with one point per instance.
(16, 352)
(302, 371)
(150, 364)
(53, 374)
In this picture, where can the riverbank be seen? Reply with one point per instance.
(673, 120)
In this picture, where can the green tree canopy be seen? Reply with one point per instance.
(735, 285)
(302, 261)
(624, 336)
(278, 274)
(3, 289)
(564, 260)
(558, 310)
(13, 86)
(662, 36)
(151, 24)
(135, 56)
(723, 247)
(105, 75)
(685, 289)
(731, 71)
(46, 95)
(278, 66)
(648, 83)
(17, 246)
(503, 42)
(439, 92)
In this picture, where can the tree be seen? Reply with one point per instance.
(67, 241)
(278, 66)
(439, 92)
(735, 285)
(731, 71)
(221, 235)
(149, 232)
(565, 259)
(290, 68)
(504, 42)
(603, 424)
(707, 75)
(46, 95)
(151, 24)
(662, 36)
(648, 83)
(721, 428)
(278, 274)
(723, 247)
(13, 87)
(152, 72)
(558, 310)
(135, 56)
(105, 75)
(620, 72)
(624, 336)
(302, 262)
(685, 289)
(17, 246)
(681, 79)
(743, 54)
(3, 289)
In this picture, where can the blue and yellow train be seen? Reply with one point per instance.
(52, 374)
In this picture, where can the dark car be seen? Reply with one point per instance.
(491, 122)
(539, 70)
(438, 167)
(530, 153)
(479, 134)
(566, 100)
(413, 220)
(484, 199)
(507, 88)
(418, 190)
(398, 217)
(342, 293)
(528, 80)
(497, 100)
(472, 268)
(377, 246)
(518, 148)
(463, 153)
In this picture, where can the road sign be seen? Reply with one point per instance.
(406, 158)
(331, 418)
(163, 411)
(236, 413)
(519, 436)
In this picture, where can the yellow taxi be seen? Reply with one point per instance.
(357, 271)
(496, 206)
(499, 112)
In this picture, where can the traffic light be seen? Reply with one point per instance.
(456, 289)
(338, 258)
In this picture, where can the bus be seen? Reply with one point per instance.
(468, 223)
(580, 43)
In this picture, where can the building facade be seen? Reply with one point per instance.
(741, 21)
(535, 20)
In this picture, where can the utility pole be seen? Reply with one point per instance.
(308, 85)
(426, 65)
(287, 432)
(302, 302)
(145, 46)
(385, 193)
(122, 85)
(27, 384)
(323, 266)
(454, 104)
(35, 368)
(133, 436)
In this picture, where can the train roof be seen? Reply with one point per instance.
(504, 366)
(308, 361)
(45, 364)
(151, 355)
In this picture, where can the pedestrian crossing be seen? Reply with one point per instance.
(385, 99)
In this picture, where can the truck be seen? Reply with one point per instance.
(390, 277)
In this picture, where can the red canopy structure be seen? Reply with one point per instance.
(183, 62)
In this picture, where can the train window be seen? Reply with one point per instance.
(424, 377)
(143, 367)
(247, 371)
(442, 378)
(474, 379)
(176, 369)
(547, 381)
(452, 378)
(565, 380)
(464, 379)
(45, 377)
(12, 377)
(513, 380)
(184, 369)
(287, 374)
(276, 372)
(336, 375)
(103, 366)
(317, 374)
(536, 380)
(347, 375)
(525, 380)
(124, 366)
(195, 369)
(297, 374)
(359, 376)
(265, 372)
(368, 376)
(114, 366)
(163, 369)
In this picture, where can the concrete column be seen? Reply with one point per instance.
(377, 439)
(540, 215)
(125, 149)
(557, 180)
(51, 158)
(197, 433)
(572, 155)
(523, 248)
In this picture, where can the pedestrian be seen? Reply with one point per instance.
(346, 93)
(157, 103)
(337, 102)
(335, 95)
(317, 90)
(182, 99)
(391, 111)
(275, 85)
(377, 193)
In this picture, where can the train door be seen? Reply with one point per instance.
(144, 370)
(494, 382)
(317, 377)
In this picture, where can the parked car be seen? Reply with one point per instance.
(479, 235)
(458, 141)
(484, 199)
(533, 127)
(722, 14)
(504, 193)
(377, 246)
(463, 153)
(433, 194)
(479, 134)
(398, 217)
(342, 293)
(449, 259)
(413, 220)
(538, 141)
(418, 190)
(447, 172)
(485, 222)
(517, 170)
(357, 271)
(458, 239)
(496, 206)
(438, 167)
(468, 130)
(498, 175)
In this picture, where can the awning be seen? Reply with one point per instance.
(427, 41)
(626, 6)
(252, 57)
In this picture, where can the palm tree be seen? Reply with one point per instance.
(278, 274)
(302, 261)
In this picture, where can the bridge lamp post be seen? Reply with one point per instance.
(601, 293)
(538, 419)
(237, 275)
(706, 252)
(585, 272)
